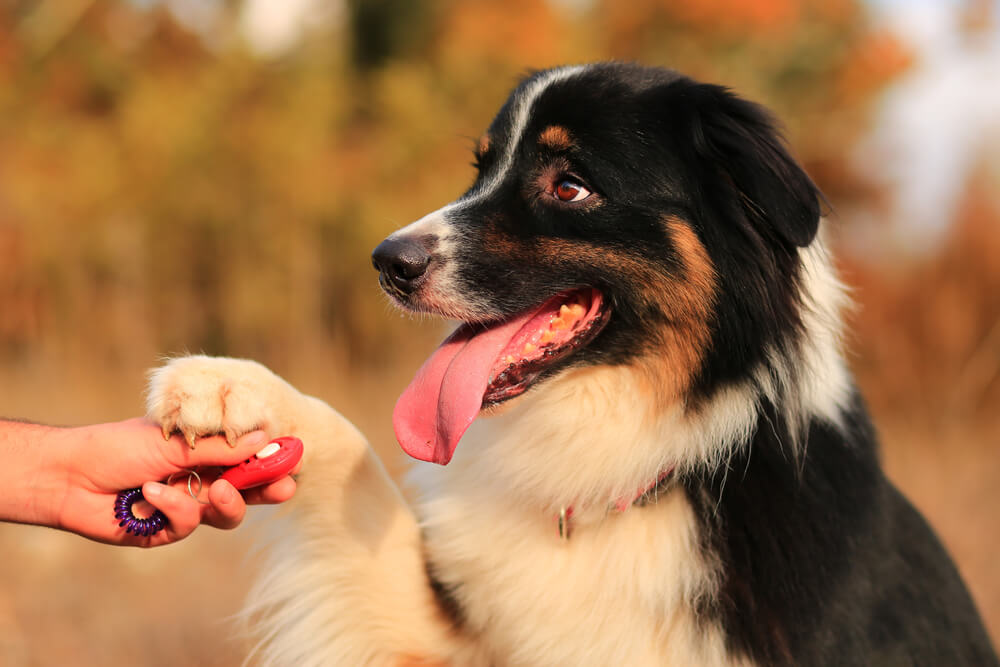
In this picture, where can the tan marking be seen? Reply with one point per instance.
(555, 137)
(687, 300)
(502, 244)
(690, 300)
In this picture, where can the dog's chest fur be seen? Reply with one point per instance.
(616, 593)
(624, 589)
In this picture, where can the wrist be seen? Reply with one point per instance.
(32, 477)
(56, 473)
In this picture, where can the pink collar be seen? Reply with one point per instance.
(619, 506)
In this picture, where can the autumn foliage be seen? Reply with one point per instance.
(180, 193)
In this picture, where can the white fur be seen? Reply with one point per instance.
(824, 379)
(620, 592)
(813, 381)
(521, 113)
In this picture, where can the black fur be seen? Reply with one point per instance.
(824, 562)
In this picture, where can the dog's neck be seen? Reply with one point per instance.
(647, 495)
(587, 439)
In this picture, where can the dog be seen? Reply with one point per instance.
(651, 449)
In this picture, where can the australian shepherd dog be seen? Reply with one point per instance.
(645, 445)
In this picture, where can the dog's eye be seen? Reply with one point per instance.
(569, 191)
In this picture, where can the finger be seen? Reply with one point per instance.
(182, 511)
(226, 507)
(215, 451)
(271, 494)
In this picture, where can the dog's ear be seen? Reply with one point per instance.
(750, 172)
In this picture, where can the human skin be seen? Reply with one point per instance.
(68, 478)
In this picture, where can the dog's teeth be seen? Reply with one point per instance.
(557, 324)
(509, 359)
(529, 348)
(577, 310)
(547, 337)
(563, 310)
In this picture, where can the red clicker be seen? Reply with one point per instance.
(270, 464)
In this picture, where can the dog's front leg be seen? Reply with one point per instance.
(346, 582)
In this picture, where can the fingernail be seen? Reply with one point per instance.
(254, 438)
(228, 494)
(152, 491)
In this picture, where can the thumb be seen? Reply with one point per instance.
(215, 451)
(182, 511)
(226, 506)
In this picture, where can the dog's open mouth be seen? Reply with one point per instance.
(483, 365)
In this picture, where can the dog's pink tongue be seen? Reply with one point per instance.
(447, 392)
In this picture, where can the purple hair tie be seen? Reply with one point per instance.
(156, 521)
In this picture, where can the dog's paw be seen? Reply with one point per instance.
(201, 395)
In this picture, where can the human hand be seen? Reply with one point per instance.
(89, 465)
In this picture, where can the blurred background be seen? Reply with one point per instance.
(211, 175)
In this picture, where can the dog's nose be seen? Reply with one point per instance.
(401, 262)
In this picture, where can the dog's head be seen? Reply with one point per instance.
(620, 215)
